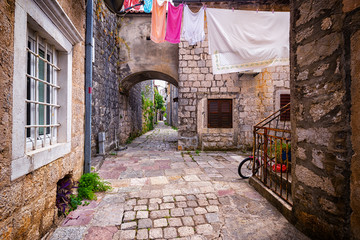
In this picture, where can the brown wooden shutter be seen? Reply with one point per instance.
(219, 113)
(213, 114)
(284, 99)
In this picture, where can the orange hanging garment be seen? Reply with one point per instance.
(158, 22)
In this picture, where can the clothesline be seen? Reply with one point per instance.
(238, 40)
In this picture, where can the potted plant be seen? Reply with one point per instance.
(281, 150)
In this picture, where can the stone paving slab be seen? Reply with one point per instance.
(159, 193)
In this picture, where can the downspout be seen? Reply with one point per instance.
(88, 84)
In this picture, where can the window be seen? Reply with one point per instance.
(219, 113)
(44, 38)
(285, 99)
(41, 93)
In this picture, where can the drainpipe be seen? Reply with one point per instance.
(88, 84)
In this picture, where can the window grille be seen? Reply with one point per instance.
(41, 97)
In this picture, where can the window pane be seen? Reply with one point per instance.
(48, 89)
(41, 91)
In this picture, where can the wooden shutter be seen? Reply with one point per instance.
(284, 99)
(220, 113)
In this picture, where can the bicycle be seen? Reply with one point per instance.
(245, 168)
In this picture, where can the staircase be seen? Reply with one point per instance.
(272, 147)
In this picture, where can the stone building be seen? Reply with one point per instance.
(323, 78)
(325, 43)
(114, 112)
(41, 111)
(172, 105)
(252, 97)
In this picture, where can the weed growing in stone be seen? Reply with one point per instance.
(90, 183)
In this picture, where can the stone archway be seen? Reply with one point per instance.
(128, 82)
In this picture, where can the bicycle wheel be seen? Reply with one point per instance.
(245, 168)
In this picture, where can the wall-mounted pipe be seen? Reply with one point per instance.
(88, 84)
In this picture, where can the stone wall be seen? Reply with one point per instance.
(27, 204)
(260, 97)
(174, 105)
(352, 8)
(116, 114)
(355, 126)
(324, 78)
(254, 97)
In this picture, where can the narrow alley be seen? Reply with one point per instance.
(161, 193)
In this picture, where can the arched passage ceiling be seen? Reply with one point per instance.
(135, 78)
(142, 58)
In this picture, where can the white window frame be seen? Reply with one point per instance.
(50, 21)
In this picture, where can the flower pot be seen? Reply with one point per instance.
(283, 155)
(279, 167)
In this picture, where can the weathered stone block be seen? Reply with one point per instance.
(192, 63)
(324, 47)
(311, 179)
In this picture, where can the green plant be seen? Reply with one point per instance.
(175, 128)
(197, 151)
(67, 201)
(163, 109)
(159, 100)
(148, 114)
(132, 137)
(90, 183)
(280, 148)
(75, 201)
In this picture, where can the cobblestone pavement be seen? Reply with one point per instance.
(160, 193)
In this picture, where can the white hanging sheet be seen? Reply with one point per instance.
(193, 25)
(241, 41)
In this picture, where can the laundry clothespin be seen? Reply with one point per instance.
(204, 5)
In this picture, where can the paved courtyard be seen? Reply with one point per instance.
(161, 193)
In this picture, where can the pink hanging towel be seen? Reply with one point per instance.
(158, 22)
(130, 3)
(174, 23)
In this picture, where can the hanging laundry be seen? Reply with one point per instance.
(173, 26)
(246, 40)
(130, 3)
(193, 26)
(158, 21)
(148, 6)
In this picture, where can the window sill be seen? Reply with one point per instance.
(38, 158)
(218, 130)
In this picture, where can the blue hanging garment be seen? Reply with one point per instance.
(148, 6)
